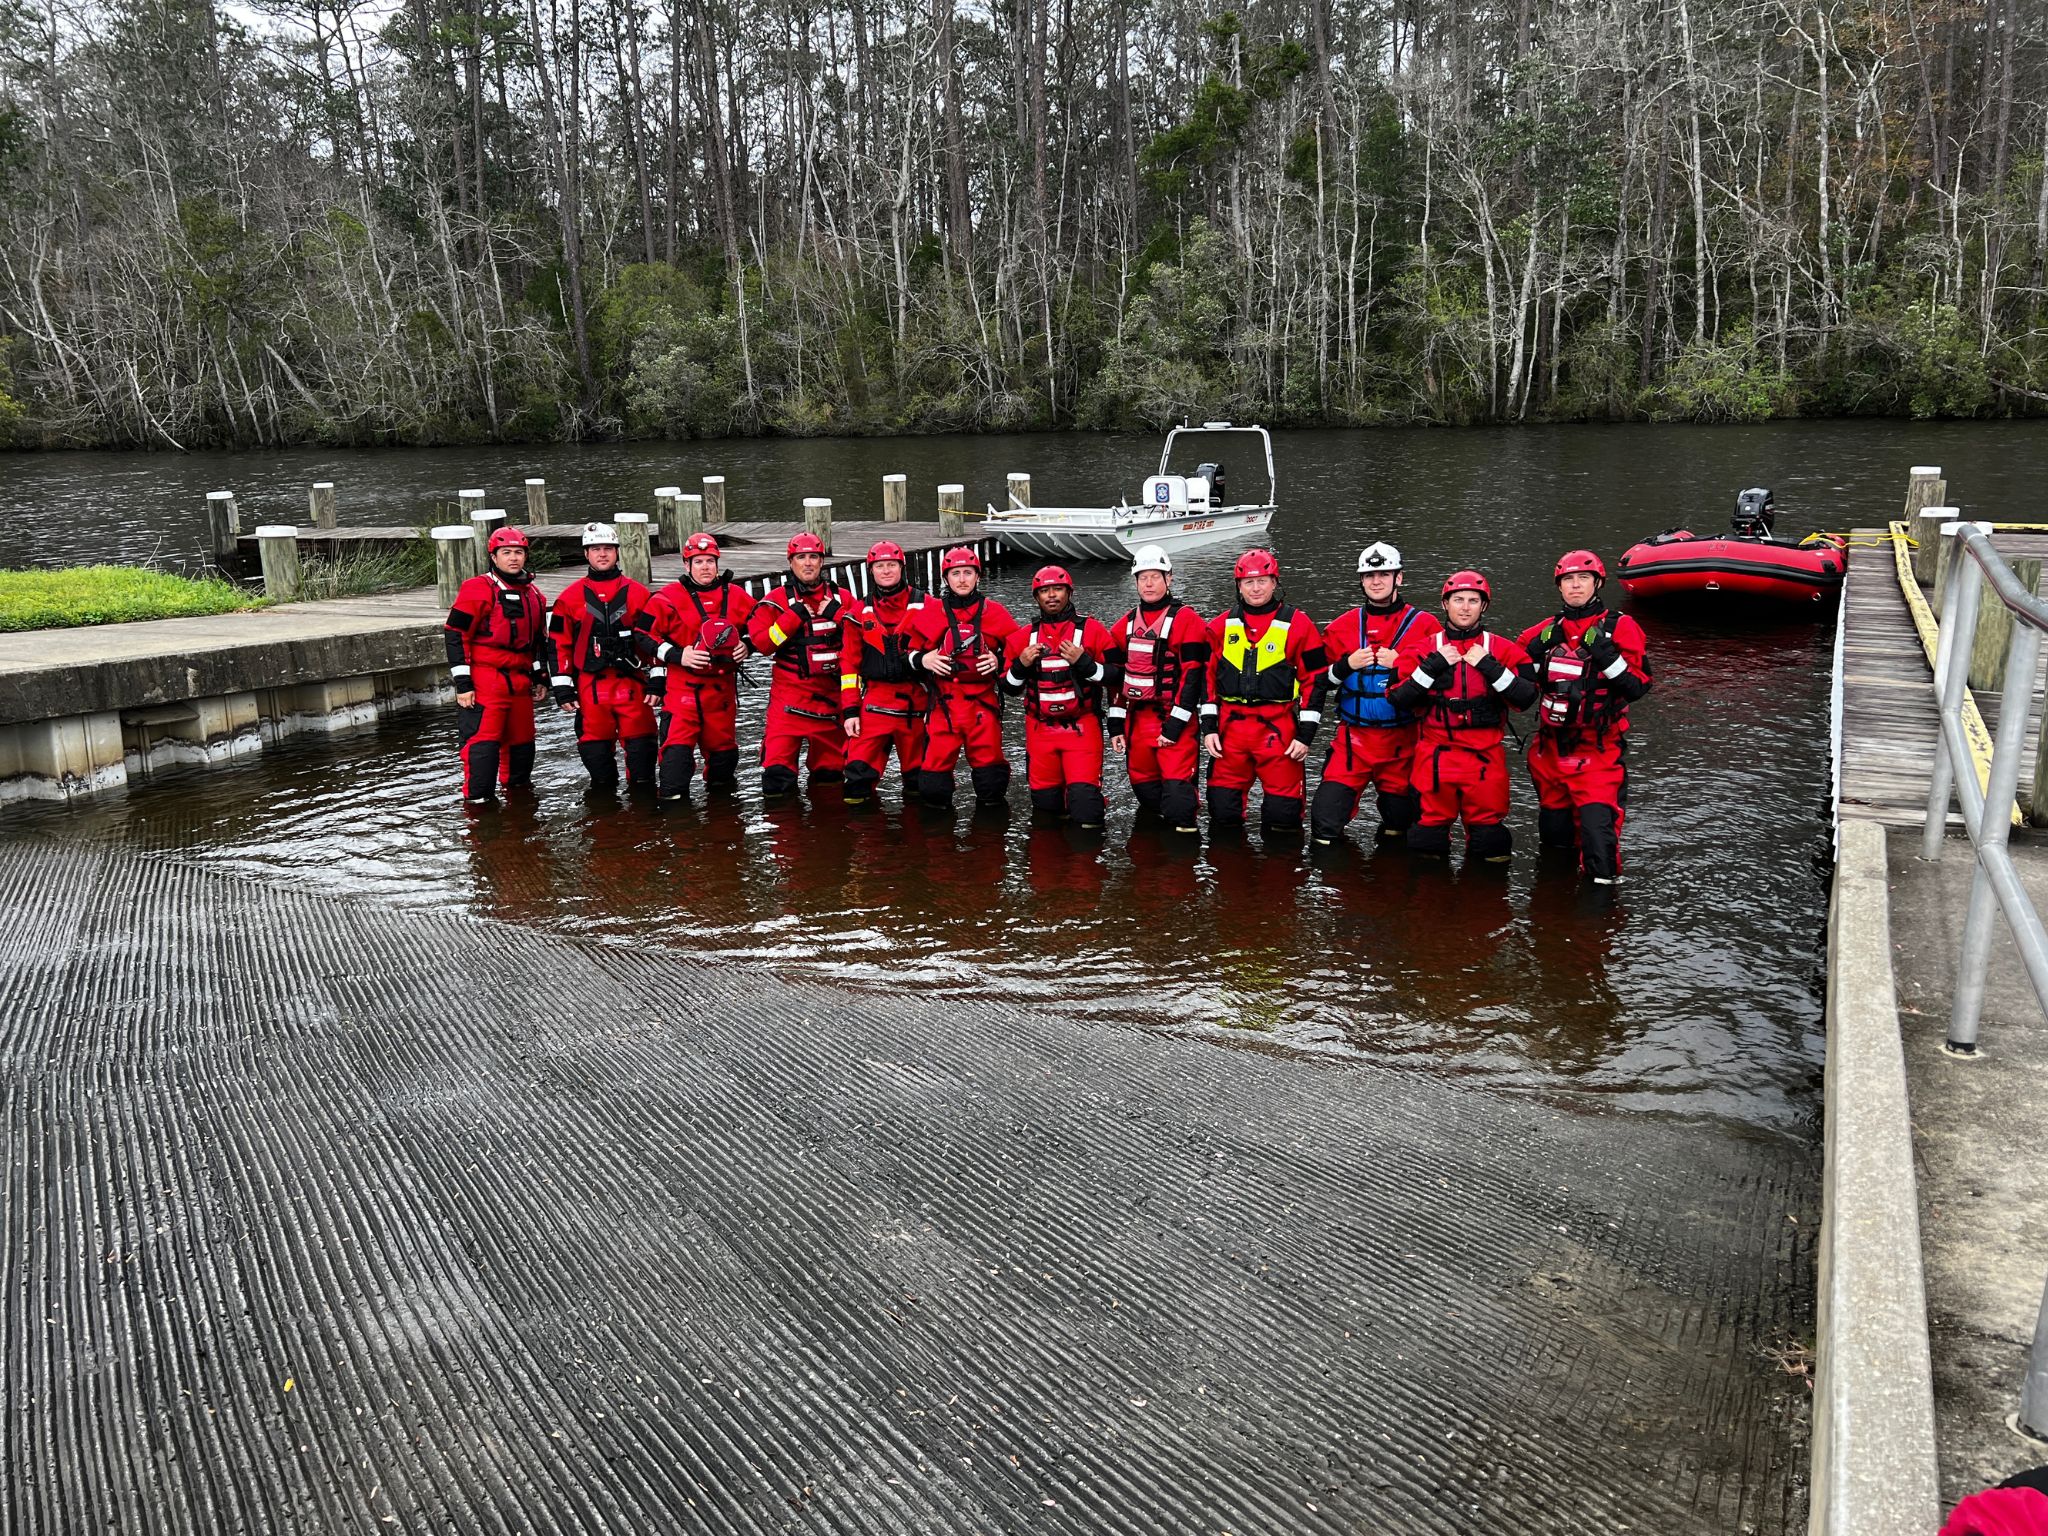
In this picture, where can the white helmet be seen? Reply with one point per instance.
(1151, 557)
(1378, 557)
(599, 533)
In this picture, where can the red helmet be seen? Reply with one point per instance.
(1257, 562)
(1467, 581)
(887, 549)
(961, 556)
(700, 544)
(806, 544)
(1052, 576)
(506, 538)
(1579, 560)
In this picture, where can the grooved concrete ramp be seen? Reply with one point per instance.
(320, 1217)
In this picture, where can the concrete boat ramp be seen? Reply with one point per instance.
(322, 1217)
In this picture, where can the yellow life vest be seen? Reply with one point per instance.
(1256, 675)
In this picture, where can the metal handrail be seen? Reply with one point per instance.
(1986, 819)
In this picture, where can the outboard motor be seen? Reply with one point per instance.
(1755, 514)
(1213, 473)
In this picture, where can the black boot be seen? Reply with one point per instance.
(1600, 844)
(640, 762)
(1049, 803)
(823, 776)
(777, 781)
(1150, 795)
(1556, 829)
(991, 784)
(1280, 813)
(861, 780)
(722, 769)
(1177, 803)
(521, 759)
(1490, 843)
(1423, 838)
(1331, 810)
(1085, 805)
(1226, 806)
(1398, 813)
(602, 764)
(935, 790)
(678, 766)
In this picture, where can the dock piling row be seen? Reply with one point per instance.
(818, 519)
(895, 498)
(952, 516)
(635, 558)
(537, 501)
(1925, 489)
(714, 500)
(280, 545)
(223, 527)
(454, 547)
(320, 502)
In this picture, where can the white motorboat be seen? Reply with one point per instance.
(1177, 512)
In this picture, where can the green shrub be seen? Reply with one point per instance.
(111, 594)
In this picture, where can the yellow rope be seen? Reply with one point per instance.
(1975, 734)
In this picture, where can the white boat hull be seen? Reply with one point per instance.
(1111, 533)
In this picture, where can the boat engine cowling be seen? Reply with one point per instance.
(1756, 513)
(1212, 474)
(1167, 493)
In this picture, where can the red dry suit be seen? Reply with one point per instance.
(966, 711)
(806, 634)
(1461, 766)
(891, 703)
(494, 634)
(1062, 713)
(1374, 741)
(1261, 660)
(702, 703)
(1589, 667)
(1158, 677)
(598, 668)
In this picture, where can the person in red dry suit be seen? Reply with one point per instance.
(1461, 691)
(599, 676)
(802, 624)
(1056, 663)
(958, 642)
(1375, 742)
(495, 635)
(693, 635)
(889, 708)
(1590, 666)
(1261, 653)
(1158, 669)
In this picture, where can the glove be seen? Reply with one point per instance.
(1603, 653)
(1432, 670)
(564, 693)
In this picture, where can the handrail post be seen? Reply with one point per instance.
(1952, 660)
(1994, 826)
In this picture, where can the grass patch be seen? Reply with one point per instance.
(364, 572)
(112, 594)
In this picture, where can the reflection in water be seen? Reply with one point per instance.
(1696, 991)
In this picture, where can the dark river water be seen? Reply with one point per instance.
(1697, 991)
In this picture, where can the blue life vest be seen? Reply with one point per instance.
(1362, 695)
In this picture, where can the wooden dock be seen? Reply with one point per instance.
(1886, 717)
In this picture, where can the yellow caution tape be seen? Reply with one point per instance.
(1975, 734)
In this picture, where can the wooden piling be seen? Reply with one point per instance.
(895, 498)
(1924, 488)
(482, 524)
(1020, 491)
(454, 552)
(320, 501)
(635, 559)
(1944, 551)
(223, 527)
(1926, 531)
(279, 546)
(714, 500)
(1994, 632)
(689, 517)
(668, 516)
(952, 521)
(818, 519)
(536, 503)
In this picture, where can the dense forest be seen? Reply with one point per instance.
(359, 221)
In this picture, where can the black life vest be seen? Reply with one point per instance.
(1362, 695)
(885, 658)
(1257, 671)
(1152, 669)
(608, 640)
(1571, 696)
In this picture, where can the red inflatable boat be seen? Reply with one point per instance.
(1748, 565)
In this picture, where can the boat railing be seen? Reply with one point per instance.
(1975, 568)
